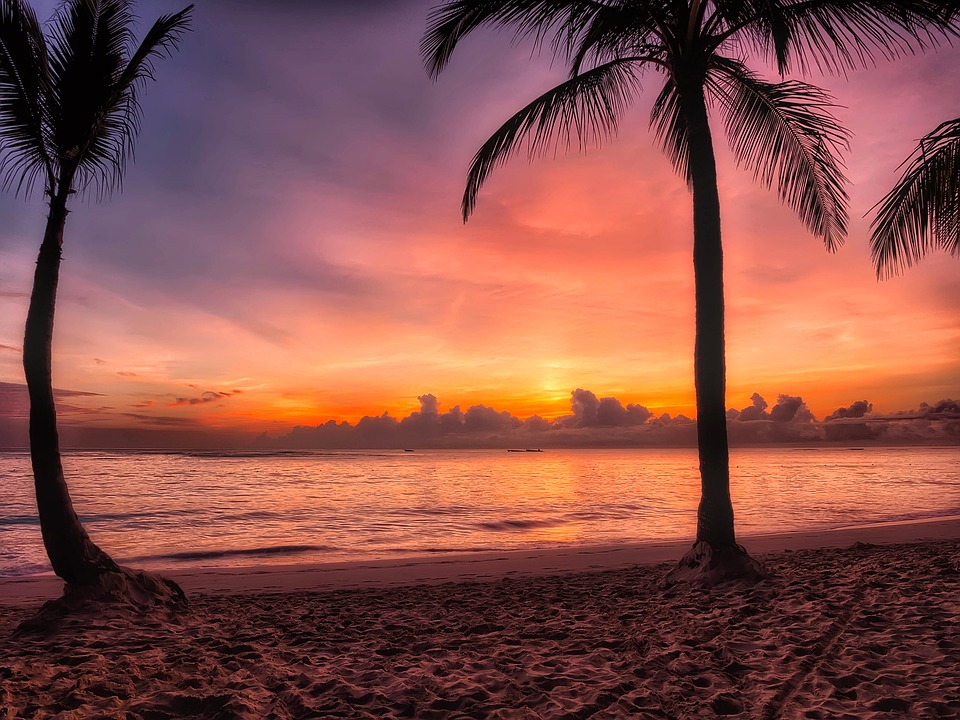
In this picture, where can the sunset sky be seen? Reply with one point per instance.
(288, 246)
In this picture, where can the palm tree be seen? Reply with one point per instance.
(783, 132)
(69, 116)
(922, 211)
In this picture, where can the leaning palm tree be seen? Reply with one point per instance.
(922, 211)
(69, 115)
(783, 132)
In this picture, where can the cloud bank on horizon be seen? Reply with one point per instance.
(606, 422)
(593, 421)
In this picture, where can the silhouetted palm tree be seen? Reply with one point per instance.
(922, 211)
(69, 116)
(783, 132)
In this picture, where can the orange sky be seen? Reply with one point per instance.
(288, 248)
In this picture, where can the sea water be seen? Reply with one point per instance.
(208, 509)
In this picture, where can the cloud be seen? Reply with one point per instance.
(946, 409)
(165, 420)
(790, 409)
(854, 410)
(207, 397)
(589, 411)
(429, 405)
(756, 411)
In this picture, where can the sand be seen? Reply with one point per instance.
(863, 631)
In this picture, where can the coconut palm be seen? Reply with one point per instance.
(69, 116)
(783, 132)
(922, 211)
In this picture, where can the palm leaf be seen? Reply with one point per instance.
(785, 133)
(122, 120)
(630, 28)
(97, 72)
(24, 86)
(669, 124)
(90, 41)
(588, 106)
(834, 36)
(449, 23)
(922, 211)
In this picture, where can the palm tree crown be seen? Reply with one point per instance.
(922, 211)
(69, 103)
(783, 132)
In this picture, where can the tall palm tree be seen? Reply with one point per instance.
(922, 211)
(783, 132)
(69, 116)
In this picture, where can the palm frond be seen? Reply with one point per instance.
(125, 112)
(762, 24)
(637, 27)
(588, 106)
(786, 134)
(449, 23)
(97, 72)
(834, 36)
(922, 211)
(669, 125)
(24, 87)
(90, 41)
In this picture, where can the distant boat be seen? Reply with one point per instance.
(527, 450)
(537, 450)
(407, 450)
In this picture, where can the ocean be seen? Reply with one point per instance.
(212, 509)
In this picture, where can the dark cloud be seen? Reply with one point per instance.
(207, 397)
(165, 420)
(480, 418)
(854, 410)
(790, 409)
(590, 411)
(429, 405)
(947, 409)
(756, 411)
(585, 408)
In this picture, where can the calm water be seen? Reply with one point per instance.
(162, 509)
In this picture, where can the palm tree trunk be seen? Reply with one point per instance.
(74, 557)
(715, 514)
(715, 556)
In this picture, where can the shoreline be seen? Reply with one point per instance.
(33, 590)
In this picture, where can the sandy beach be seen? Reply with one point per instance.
(853, 623)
